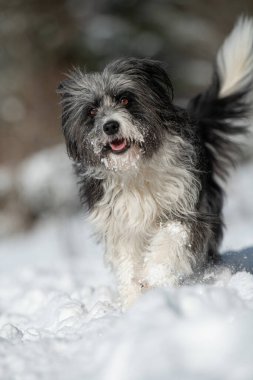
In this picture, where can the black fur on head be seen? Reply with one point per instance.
(90, 100)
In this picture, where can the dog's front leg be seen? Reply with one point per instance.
(169, 258)
(124, 267)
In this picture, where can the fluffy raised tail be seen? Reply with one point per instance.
(222, 112)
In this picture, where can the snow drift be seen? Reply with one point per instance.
(60, 318)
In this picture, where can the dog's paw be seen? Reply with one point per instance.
(129, 294)
(158, 275)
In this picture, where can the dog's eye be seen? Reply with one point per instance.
(92, 112)
(124, 101)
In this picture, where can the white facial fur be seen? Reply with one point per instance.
(128, 130)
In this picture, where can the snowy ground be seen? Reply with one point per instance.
(60, 317)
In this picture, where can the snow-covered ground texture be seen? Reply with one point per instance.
(60, 318)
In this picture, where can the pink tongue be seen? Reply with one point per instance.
(118, 145)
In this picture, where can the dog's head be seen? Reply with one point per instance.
(115, 119)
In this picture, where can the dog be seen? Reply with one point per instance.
(151, 174)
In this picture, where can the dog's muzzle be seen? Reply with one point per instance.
(118, 145)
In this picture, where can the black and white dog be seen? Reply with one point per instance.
(150, 172)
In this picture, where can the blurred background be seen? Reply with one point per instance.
(42, 40)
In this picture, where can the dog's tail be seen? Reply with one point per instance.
(222, 112)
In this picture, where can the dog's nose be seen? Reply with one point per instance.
(111, 127)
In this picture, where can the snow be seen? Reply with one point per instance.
(46, 181)
(60, 318)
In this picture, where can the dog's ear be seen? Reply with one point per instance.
(68, 89)
(148, 71)
(72, 82)
(157, 77)
(64, 90)
(65, 94)
(60, 88)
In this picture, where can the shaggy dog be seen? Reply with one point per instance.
(150, 172)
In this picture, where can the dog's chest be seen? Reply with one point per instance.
(126, 210)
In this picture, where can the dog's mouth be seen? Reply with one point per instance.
(121, 154)
(118, 146)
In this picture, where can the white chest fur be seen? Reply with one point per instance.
(126, 214)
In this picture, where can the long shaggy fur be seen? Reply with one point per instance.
(151, 173)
